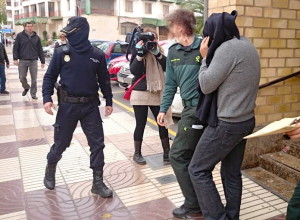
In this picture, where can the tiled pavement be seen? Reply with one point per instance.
(25, 137)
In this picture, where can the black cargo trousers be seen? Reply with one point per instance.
(67, 118)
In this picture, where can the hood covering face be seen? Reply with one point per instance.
(219, 27)
(77, 31)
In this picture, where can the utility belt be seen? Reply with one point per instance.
(63, 97)
(190, 102)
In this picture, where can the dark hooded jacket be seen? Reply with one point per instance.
(28, 47)
(81, 67)
(219, 27)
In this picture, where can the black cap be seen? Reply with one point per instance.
(74, 24)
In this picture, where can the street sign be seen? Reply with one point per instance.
(5, 30)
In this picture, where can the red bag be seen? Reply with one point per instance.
(128, 91)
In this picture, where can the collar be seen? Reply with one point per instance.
(194, 45)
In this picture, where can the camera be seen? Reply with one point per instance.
(147, 38)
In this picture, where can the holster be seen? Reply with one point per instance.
(61, 94)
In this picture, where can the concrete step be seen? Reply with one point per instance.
(271, 182)
(293, 149)
(283, 165)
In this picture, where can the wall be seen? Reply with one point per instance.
(274, 28)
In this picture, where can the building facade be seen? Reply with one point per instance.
(109, 19)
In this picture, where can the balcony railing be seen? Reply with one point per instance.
(34, 14)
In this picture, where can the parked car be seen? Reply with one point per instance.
(113, 49)
(114, 66)
(96, 42)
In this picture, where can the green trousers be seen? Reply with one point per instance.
(182, 151)
(293, 209)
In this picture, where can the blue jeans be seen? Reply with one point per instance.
(2, 78)
(223, 143)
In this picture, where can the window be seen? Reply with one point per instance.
(165, 10)
(51, 9)
(129, 6)
(42, 9)
(127, 27)
(148, 8)
(105, 7)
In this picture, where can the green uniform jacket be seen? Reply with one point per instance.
(183, 64)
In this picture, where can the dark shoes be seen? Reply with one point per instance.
(49, 179)
(166, 147)
(4, 92)
(99, 186)
(34, 97)
(137, 157)
(25, 92)
(183, 212)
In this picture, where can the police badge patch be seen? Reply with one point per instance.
(67, 58)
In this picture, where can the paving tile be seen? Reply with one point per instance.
(139, 194)
(11, 196)
(127, 179)
(21, 215)
(96, 207)
(29, 133)
(8, 138)
(7, 130)
(5, 111)
(33, 162)
(118, 167)
(155, 209)
(25, 119)
(8, 150)
(47, 197)
(9, 169)
(59, 211)
(278, 217)
(6, 120)
(5, 106)
(32, 142)
(5, 102)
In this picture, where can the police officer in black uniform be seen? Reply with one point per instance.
(82, 69)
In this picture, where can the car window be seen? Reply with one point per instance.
(104, 47)
(117, 48)
(120, 48)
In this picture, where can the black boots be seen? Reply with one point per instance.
(137, 157)
(99, 186)
(49, 179)
(166, 146)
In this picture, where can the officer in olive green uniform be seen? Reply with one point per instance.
(182, 69)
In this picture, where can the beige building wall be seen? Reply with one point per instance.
(273, 26)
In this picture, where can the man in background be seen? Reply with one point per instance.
(3, 59)
(26, 51)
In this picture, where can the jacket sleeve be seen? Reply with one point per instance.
(16, 48)
(104, 81)
(169, 89)
(51, 76)
(5, 56)
(162, 62)
(40, 51)
(137, 68)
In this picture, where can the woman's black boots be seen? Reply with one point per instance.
(137, 157)
(166, 147)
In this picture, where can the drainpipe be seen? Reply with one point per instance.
(205, 10)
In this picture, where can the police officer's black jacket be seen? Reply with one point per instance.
(137, 68)
(81, 74)
(28, 47)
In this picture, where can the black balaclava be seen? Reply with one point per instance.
(220, 27)
(77, 31)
